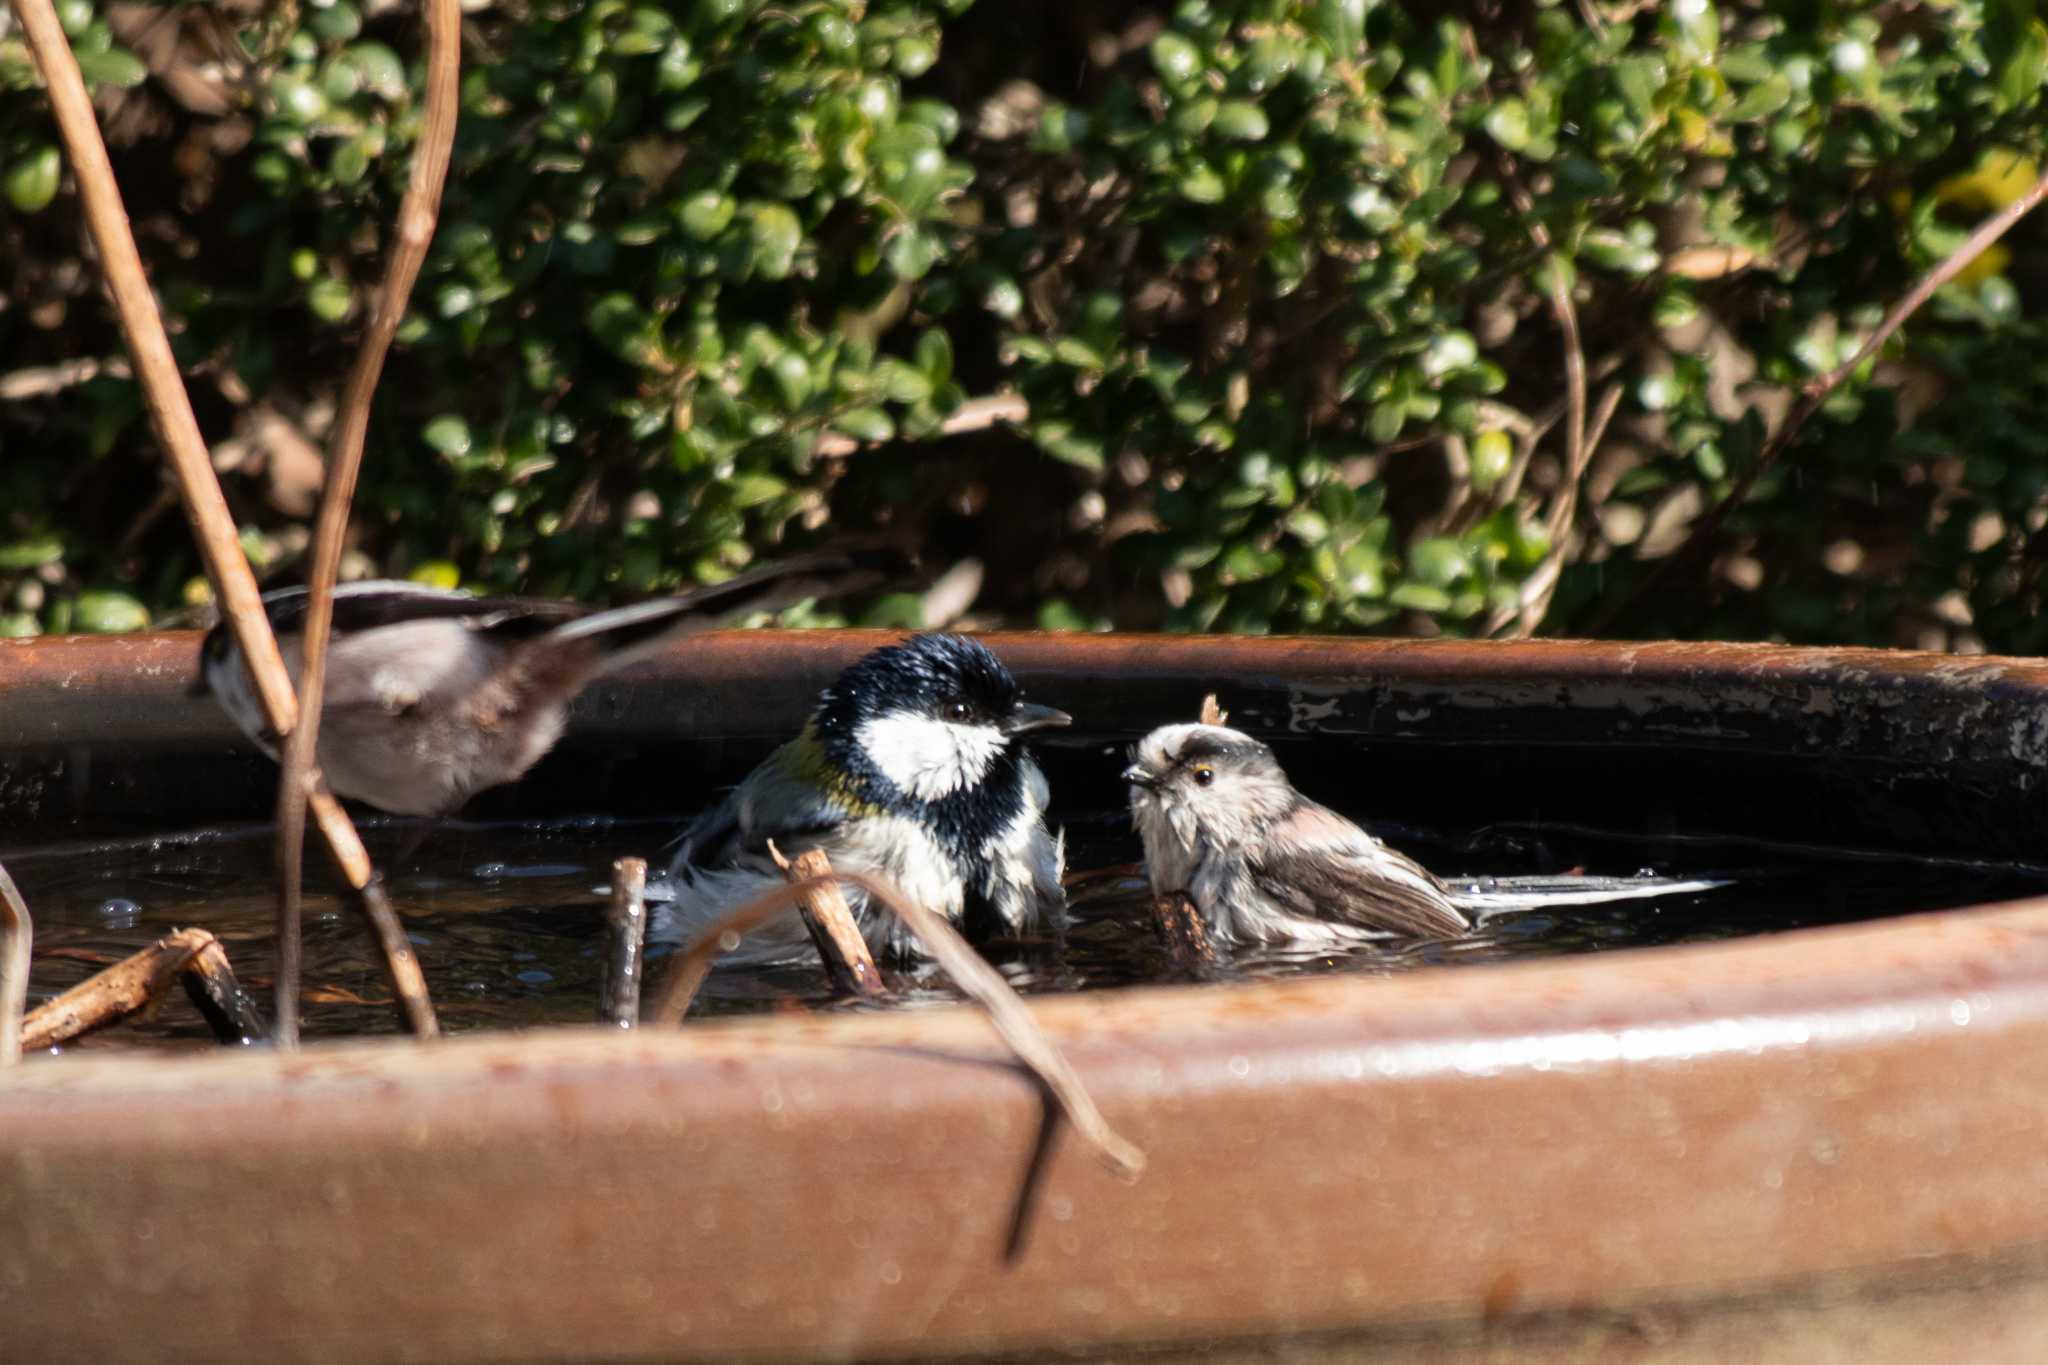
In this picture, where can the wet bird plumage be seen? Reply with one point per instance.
(1265, 864)
(909, 768)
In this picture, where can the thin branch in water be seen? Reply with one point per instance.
(1186, 934)
(418, 212)
(1816, 392)
(15, 947)
(177, 430)
(830, 920)
(980, 982)
(137, 982)
(618, 999)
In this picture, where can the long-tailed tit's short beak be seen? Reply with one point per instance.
(1138, 777)
(1032, 716)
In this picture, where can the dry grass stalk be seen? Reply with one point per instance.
(830, 920)
(980, 982)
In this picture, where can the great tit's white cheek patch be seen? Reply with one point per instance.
(927, 757)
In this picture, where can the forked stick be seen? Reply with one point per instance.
(956, 957)
(138, 980)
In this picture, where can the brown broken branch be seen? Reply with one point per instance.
(138, 981)
(981, 983)
(1212, 711)
(618, 997)
(826, 914)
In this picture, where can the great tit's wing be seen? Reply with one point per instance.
(1322, 866)
(788, 798)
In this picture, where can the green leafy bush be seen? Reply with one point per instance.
(1278, 283)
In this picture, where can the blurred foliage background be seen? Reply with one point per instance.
(1247, 315)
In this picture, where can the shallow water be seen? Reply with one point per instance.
(509, 924)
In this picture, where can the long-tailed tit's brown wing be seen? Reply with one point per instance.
(1322, 866)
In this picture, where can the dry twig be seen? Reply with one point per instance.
(618, 998)
(982, 984)
(14, 959)
(138, 981)
(177, 430)
(417, 215)
(1816, 393)
(830, 920)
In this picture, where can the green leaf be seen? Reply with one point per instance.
(706, 213)
(865, 424)
(101, 612)
(626, 331)
(776, 234)
(32, 553)
(116, 67)
(448, 433)
(1175, 58)
(1241, 121)
(32, 179)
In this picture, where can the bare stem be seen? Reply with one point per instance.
(417, 214)
(618, 1002)
(170, 414)
(981, 983)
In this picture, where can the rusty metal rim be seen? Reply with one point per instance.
(1663, 1125)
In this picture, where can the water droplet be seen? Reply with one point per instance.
(119, 912)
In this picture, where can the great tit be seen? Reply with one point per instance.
(1264, 864)
(434, 695)
(910, 768)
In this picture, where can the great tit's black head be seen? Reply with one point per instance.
(931, 715)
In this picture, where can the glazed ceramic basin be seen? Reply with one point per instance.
(1817, 1144)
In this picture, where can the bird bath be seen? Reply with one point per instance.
(1785, 1141)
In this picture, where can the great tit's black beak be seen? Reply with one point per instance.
(1138, 777)
(1031, 716)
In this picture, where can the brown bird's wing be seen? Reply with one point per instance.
(1322, 866)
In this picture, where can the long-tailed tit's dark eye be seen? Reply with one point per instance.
(1205, 776)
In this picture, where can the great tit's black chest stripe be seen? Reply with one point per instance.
(965, 822)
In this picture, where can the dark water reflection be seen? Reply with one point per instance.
(509, 926)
